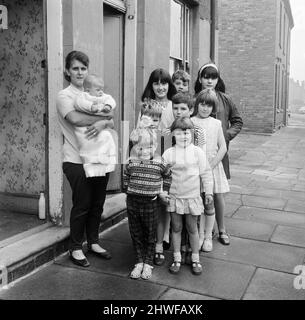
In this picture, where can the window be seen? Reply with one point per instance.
(280, 28)
(179, 36)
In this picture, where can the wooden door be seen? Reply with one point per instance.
(113, 77)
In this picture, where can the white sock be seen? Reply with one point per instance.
(209, 223)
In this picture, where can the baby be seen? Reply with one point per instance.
(98, 154)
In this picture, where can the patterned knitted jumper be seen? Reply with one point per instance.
(146, 177)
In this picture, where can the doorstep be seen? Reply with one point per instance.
(23, 256)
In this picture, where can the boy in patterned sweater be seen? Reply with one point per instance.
(146, 177)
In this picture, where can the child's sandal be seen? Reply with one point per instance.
(137, 271)
(224, 238)
(196, 268)
(175, 267)
(159, 258)
(147, 271)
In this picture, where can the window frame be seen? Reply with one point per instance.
(182, 62)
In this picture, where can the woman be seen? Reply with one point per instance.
(227, 113)
(88, 194)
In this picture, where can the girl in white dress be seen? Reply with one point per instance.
(205, 106)
(190, 173)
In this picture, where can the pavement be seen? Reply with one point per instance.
(265, 216)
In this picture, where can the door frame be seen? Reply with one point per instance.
(129, 71)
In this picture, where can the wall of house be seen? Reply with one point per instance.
(153, 40)
(247, 34)
(282, 61)
(22, 100)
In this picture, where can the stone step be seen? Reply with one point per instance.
(34, 250)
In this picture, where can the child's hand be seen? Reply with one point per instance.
(208, 199)
(106, 108)
(164, 197)
(95, 107)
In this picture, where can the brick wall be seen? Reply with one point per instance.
(247, 32)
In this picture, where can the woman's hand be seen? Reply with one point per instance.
(93, 130)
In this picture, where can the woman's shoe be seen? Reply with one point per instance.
(104, 255)
(79, 262)
(224, 238)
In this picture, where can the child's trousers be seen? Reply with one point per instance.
(142, 215)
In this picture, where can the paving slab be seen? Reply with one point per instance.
(122, 262)
(259, 253)
(249, 229)
(264, 202)
(273, 285)
(282, 194)
(273, 184)
(119, 233)
(234, 198)
(230, 209)
(174, 294)
(63, 283)
(289, 235)
(270, 216)
(295, 206)
(219, 279)
(299, 187)
(235, 188)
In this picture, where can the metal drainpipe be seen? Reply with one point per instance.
(213, 26)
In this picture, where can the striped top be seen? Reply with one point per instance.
(146, 177)
(199, 137)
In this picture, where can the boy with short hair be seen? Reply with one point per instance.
(181, 80)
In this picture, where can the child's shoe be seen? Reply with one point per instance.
(159, 258)
(137, 271)
(207, 245)
(196, 268)
(224, 238)
(175, 267)
(147, 271)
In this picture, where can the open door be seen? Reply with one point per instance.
(113, 76)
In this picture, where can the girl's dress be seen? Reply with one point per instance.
(188, 165)
(214, 135)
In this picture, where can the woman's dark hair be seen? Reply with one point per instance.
(209, 71)
(206, 96)
(164, 77)
(182, 123)
(75, 55)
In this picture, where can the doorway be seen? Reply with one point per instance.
(113, 78)
(22, 111)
